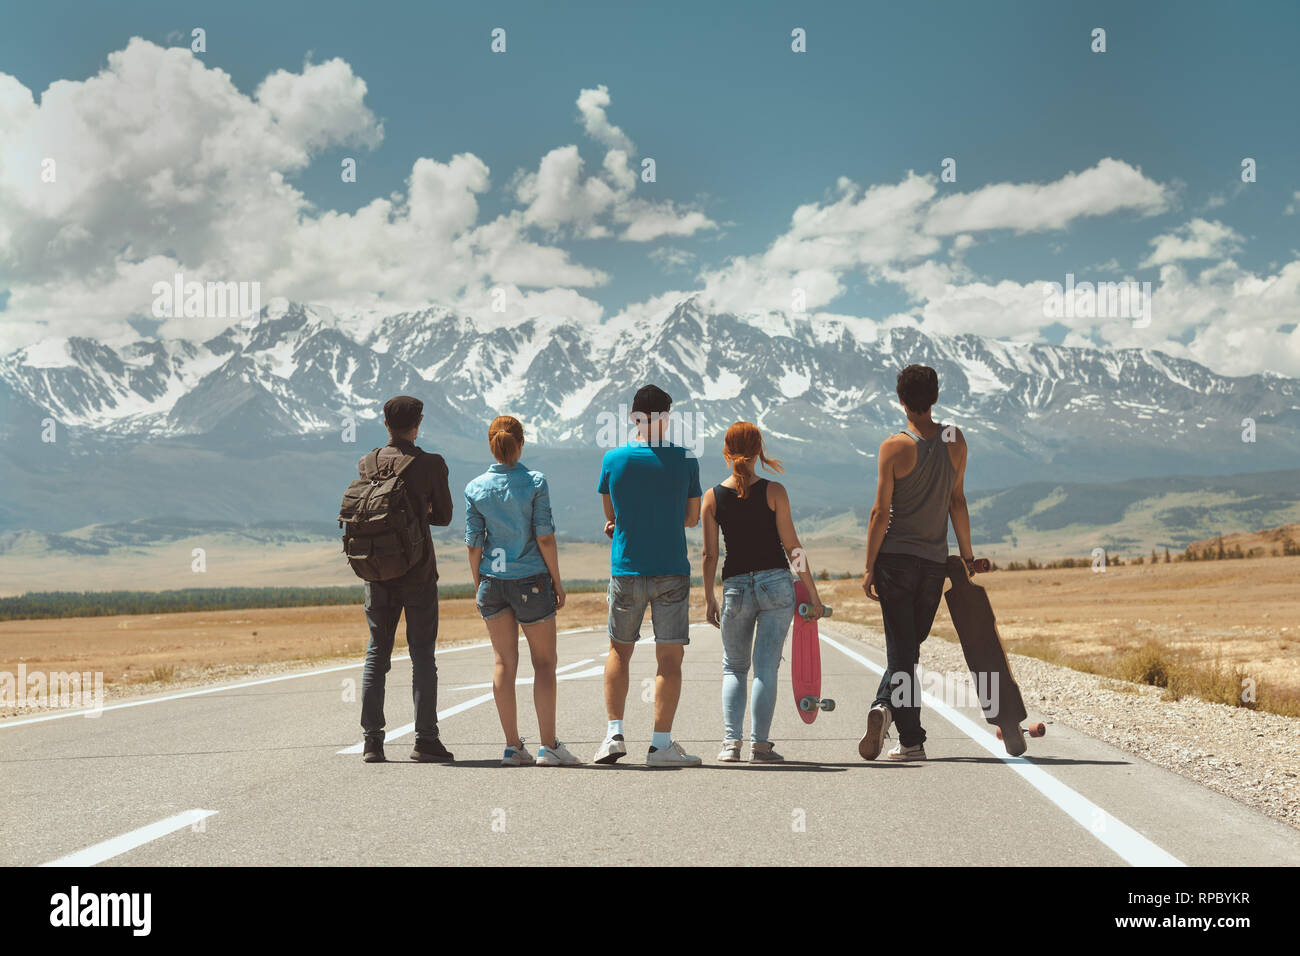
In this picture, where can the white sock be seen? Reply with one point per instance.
(615, 728)
(662, 740)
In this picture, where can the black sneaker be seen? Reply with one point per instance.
(374, 752)
(431, 752)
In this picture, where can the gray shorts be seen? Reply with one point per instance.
(669, 598)
(532, 599)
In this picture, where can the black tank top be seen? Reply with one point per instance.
(748, 530)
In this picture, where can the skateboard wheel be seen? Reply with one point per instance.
(1036, 730)
(999, 733)
(806, 704)
(828, 704)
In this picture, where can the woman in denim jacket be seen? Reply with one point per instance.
(516, 568)
(757, 590)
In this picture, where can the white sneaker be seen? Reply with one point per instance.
(730, 752)
(557, 756)
(517, 757)
(612, 750)
(900, 752)
(671, 756)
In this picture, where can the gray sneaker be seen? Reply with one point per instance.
(878, 721)
(760, 751)
(900, 752)
(671, 756)
(730, 752)
(517, 756)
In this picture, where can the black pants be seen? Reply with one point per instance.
(385, 603)
(910, 589)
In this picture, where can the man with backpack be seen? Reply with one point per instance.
(386, 515)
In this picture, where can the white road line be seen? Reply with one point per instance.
(1131, 846)
(252, 683)
(129, 841)
(525, 680)
(465, 705)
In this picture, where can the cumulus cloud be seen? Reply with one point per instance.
(1198, 239)
(1108, 187)
(163, 166)
(879, 231)
(563, 199)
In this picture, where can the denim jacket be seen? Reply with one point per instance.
(507, 508)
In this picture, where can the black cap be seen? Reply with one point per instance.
(651, 399)
(403, 412)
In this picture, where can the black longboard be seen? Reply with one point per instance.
(977, 630)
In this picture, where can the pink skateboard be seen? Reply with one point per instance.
(807, 677)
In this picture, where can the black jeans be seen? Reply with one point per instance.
(384, 605)
(909, 589)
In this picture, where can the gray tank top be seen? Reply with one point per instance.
(918, 513)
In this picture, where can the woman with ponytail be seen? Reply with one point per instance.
(516, 568)
(757, 590)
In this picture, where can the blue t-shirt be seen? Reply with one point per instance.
(506, 510)
(649, 485)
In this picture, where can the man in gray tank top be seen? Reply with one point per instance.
(918, 489)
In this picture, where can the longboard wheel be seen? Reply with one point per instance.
(1033, 730)
(827, 704)
(807, 703)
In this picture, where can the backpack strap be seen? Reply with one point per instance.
(405, 463)
(371, 464)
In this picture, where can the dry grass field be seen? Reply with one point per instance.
(1197, 628)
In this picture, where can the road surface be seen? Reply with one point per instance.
(268, 772)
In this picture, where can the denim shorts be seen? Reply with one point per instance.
(669, 599)
(532, 599)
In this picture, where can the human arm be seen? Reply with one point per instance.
(693, 493)
(712, 614)
(609, 515)
(544, 531)
(957, 509)
(475, 536)
(878, 524)
(778, 499)
(440, 507)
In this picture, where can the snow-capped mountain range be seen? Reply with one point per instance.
(821, 391)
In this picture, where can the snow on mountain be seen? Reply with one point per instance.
(827, 386)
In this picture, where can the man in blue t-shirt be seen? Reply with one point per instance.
(651, 492)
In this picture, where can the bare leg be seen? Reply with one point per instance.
(504, 634)
(541, 644)
(668, 684)
(616, 666)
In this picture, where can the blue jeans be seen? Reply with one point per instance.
(384, 606)
(757, 610)
(910, 589)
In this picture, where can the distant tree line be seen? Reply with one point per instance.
(1217, 551)
(52, 604)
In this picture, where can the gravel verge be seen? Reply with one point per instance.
(1251, 756)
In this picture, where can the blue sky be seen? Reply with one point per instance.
(743, 131)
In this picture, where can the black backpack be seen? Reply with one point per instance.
(383, 531)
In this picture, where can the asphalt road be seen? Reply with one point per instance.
(267, 772)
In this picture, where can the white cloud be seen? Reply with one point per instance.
(1198, 239)
(562, 199)
(1108, 187)
(164, 166)
(592, 105)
